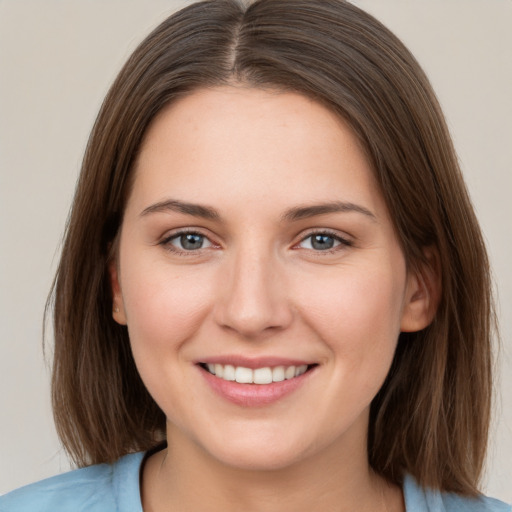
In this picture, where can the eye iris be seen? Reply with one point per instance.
(190, 241)
(322, 242)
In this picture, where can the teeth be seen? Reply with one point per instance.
(300, 369)
(264, 375)
(229, 372)
(278, 374)
(219, 370)
(289, 373)
(242, 375)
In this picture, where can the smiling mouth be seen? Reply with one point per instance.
(265, 375)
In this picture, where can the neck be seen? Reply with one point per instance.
(184, 477)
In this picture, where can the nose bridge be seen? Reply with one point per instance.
(254, 298)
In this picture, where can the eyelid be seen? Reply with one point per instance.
(344, 241)
(165, 241)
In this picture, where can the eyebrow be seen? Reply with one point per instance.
(172, 205)
(304, 212)
(292, 215)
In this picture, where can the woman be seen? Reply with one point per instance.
(273, 292)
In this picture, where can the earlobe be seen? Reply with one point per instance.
(118, 313)
(423, 294)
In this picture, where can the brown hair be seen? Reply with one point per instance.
(431, 416)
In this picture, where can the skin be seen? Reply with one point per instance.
(258, 287)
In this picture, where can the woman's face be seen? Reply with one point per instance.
(256, 245)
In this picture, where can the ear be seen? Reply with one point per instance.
(423, 293)
(118, 313)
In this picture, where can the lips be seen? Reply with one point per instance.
(255, 382)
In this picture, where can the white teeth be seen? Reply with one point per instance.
(264, 375)
(278, 374)
(242, 375)
(289, 373)
(300, 369)
(229, 372)
(219, 370)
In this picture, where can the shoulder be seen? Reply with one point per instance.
(99, 488)
(455, 503)
(418, 499)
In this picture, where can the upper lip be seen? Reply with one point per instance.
(254, 362)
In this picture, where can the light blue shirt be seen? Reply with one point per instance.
(115, 488)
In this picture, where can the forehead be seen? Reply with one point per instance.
(229, 142)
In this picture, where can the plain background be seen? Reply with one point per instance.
(57, 59)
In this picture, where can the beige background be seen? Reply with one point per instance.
(57, 59)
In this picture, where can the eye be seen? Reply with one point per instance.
(323, 242)
(187, 241)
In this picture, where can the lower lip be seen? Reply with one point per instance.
(254, 395)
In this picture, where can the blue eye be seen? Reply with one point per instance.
(188, 241)
(323, 242)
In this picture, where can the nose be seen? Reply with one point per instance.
(253, 302)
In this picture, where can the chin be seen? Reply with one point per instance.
(255, 453)
(259, 460)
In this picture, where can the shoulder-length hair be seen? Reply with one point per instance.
(431, 417)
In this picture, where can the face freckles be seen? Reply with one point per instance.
(256, 237)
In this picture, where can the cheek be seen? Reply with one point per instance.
(164, 305)
(165, 308)
(357, 311)
(356, 314)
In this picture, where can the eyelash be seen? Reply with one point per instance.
(343, 242)
(166, 242)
